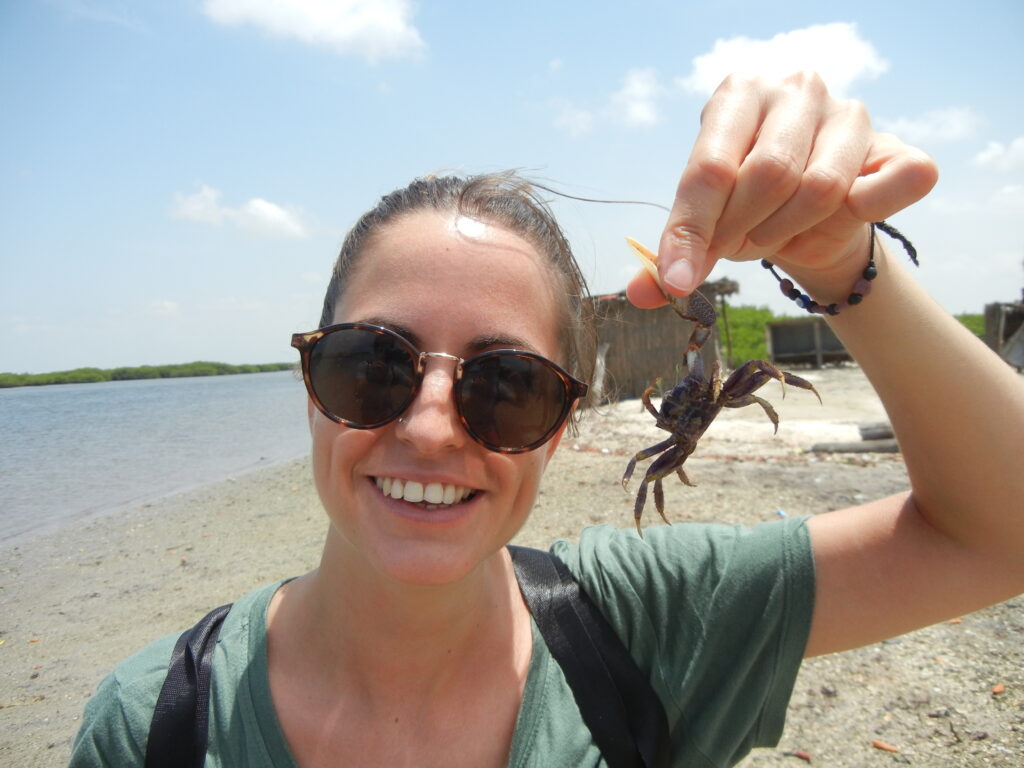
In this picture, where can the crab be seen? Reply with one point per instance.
(689, 408)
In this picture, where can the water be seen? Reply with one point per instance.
(76, 449)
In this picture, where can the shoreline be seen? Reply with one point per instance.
(78, 600)
(97, 512)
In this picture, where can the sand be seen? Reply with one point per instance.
(76, 601)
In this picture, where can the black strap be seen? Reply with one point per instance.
(178, 731)
(616, 700)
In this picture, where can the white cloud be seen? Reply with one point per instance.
(554, 65)
(1010, 197)
(373, 29)
(257, 215)
(999, 157)
(163, 307)
(573, 120)
(635, 102)
(949, 124)
(261, 215)
(835, 51)
(947, 206)
(203, 206)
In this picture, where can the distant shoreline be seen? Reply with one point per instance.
(134, 373)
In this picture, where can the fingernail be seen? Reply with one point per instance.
(680, 276)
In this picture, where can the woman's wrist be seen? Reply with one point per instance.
(847, 281)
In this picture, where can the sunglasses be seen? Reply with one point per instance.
(365, 376)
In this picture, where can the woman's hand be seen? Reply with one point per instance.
(787, 172)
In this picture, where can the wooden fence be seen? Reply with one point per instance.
(803, 340)
(637, 346)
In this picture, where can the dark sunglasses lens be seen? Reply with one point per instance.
(362, 376)
(512, 401)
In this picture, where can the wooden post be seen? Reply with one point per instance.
(728, 336)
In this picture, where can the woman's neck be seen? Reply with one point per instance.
(386, 639)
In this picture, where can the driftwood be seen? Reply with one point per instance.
(864, 446)
(881, 430)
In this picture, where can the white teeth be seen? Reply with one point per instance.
(415, 493)
(433, 493)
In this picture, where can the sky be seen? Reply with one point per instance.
(176, 176)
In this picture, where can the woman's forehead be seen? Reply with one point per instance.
(432, 267)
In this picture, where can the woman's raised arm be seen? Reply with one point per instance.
(786, 172)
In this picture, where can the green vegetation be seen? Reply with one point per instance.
(89, 375)
(746, 329)
(973, 323)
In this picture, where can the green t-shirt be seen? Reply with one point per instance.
(717, 615)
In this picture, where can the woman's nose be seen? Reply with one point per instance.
(432, 423)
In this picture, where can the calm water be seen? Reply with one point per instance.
(76, 449)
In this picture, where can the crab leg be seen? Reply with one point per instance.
(646, 453)
(750, 400)
(646, 398)
(695, 307)
(754, 374)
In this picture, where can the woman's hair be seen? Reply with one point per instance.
(501, 199)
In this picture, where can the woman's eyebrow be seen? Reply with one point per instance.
(473, 346)
(482, 343)
(407, 333)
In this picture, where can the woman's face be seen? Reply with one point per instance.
(454, 285)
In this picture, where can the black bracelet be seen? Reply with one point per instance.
(860, 289)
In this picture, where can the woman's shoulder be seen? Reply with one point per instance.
(717, 615)
(694, 579)
(139, 670)
(697, 552)
(115, 724)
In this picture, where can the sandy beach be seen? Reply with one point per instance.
(76, 601)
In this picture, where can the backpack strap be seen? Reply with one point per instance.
(181, 719)
(616, 700)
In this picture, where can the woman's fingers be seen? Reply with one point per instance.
(777, 160)
(775, 170)
(727, 123)
(841, 146)
(894, 176)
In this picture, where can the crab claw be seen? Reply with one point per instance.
(694, 308)
(649, 259)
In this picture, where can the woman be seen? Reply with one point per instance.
(411, 643)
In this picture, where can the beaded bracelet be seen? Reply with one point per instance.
(860, 289)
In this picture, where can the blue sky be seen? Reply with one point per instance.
(176, 177)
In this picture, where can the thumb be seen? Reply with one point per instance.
(683, 258)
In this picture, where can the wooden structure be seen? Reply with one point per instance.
(637, 346)
(803, 340)
(1004, 332)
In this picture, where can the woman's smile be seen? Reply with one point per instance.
(430, 495)
(433, 502)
